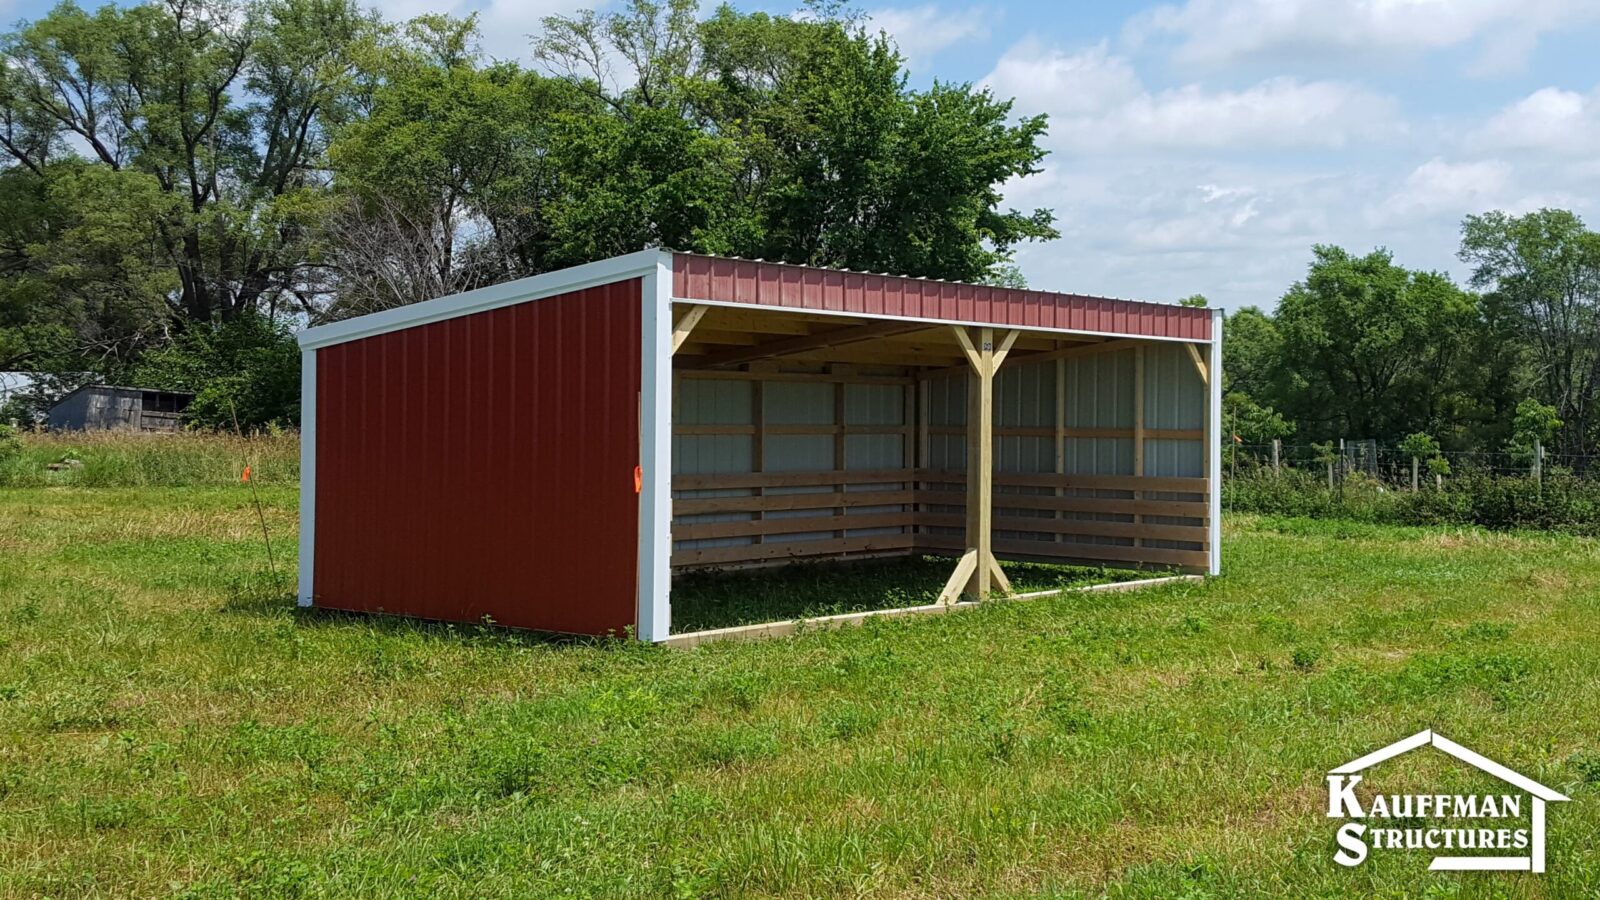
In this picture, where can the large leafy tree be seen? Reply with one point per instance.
(1543, 273)
(789, 138)
(222, 105)
(1368, 346)
(445, 182)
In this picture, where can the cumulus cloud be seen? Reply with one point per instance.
(1449, 189)
(1097, 101)
(1550, 120)
(922, 32)
(1218, 32)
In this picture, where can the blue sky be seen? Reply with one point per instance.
(1203, 146)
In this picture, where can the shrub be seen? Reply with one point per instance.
(1561, 502)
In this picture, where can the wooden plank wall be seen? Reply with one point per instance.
(1071, 443)
(927, 506)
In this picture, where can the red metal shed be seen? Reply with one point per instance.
(545, 453)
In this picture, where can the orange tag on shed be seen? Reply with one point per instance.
(638, 479)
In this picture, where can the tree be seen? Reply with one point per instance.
(1195, 301)
(785, 138)
(84, 280)
(222, 105)
(1368, 346)
(1545, 266)
(445, 183)
(244, 371)
(1251, 351)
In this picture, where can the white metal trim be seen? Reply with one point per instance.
(537, 287)
(1217, 437)
(308, 476)
(733, 304)
(654, 612)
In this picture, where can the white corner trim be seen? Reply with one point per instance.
(308, 476)
(654, 612)
(549, 284)
(1218, 436)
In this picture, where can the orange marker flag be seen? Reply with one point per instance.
(246, 475)
(638, 479)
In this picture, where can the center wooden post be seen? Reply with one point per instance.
(978, 569)
(980, 463)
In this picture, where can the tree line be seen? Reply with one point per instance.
(187, 180)
(1365, 348)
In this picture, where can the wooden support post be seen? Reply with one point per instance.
(758, 442)
(1277, 456)
(985, 356)
(958, 578)
(1061, 435)
(1138, 428)
(1199, 363)
(924, 388)
(685, 325)
(1415, 471)
(980, 406)
(838, 434)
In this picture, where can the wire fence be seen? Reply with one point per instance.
(1397, 468)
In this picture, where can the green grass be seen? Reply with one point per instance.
(717, 598)
(130, 459)
(171, 725)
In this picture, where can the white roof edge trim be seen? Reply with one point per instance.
(522, 290)
(973, 323)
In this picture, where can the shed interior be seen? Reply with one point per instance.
(801, 435)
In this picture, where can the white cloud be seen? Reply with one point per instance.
(1230, 31)
(1097, 103)
(1550, 120)
(1062, 84)
(922, 32)
(1448, 189)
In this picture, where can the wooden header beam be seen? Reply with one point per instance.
(836, 337)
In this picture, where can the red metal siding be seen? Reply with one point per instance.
(483, 466)
(696, 277)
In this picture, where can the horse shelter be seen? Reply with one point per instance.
(546, 453)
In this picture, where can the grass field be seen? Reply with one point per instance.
(171, 725)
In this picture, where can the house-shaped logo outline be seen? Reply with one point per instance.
(1534, 861)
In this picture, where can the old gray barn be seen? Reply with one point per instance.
(101, 406)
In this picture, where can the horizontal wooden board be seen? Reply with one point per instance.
(1079, 482)
(790, 479)
(696, 531)
(1184, 508)
(1045, 431)
(1158, 556)
(824, 377)
(1081, 527)
(790, 429)
(774, 502)
(792, 550)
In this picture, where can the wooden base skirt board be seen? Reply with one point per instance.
(789, 627)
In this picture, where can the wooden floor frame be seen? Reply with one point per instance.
(789, 627)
